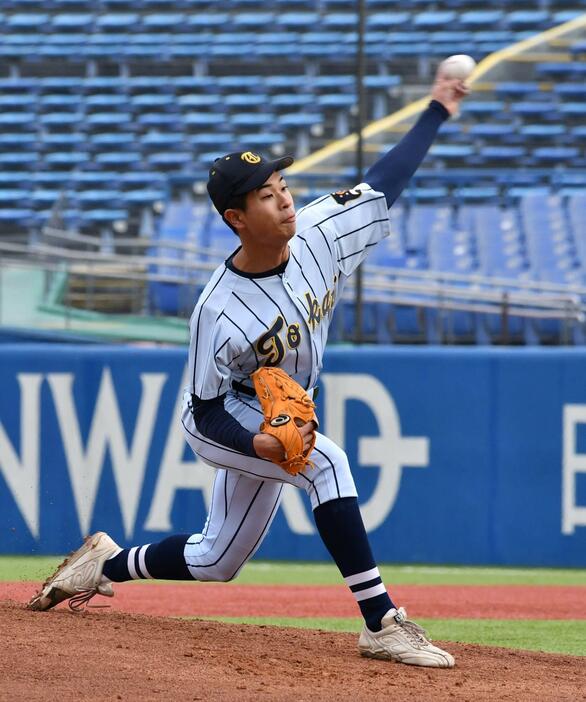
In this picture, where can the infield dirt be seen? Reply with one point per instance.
(103, 654)
(430, 601)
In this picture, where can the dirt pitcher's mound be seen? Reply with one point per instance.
(105, 655)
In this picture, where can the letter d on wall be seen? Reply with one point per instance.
(389, 451)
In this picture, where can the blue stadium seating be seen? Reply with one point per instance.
(113, 102)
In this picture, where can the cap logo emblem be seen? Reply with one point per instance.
(249, 157)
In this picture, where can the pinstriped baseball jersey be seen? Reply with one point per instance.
(281, 318)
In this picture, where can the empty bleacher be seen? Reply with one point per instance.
(113, 109)
(141, 87)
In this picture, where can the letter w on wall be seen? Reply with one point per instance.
(106, 431)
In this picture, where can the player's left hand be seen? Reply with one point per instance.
(449, 91)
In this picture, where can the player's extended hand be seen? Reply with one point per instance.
(267, 446)
(449, 91)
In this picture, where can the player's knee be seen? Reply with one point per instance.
(222, 572)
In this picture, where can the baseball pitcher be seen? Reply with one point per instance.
(258, 333)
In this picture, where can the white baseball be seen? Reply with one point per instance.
(458, 66)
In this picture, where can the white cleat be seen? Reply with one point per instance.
(79, 577)
(403, 641)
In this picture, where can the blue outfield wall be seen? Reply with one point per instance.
(472, 456)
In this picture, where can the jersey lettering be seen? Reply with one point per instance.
(293, 336)
(327, 304)
(271, 345)
(344, 196)
(316, 311)
(314, 317)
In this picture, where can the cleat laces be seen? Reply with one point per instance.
(79, 602)
(415, 633)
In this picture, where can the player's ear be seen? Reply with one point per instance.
(234, 218)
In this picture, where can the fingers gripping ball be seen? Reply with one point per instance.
(459, 66)
(285, 406)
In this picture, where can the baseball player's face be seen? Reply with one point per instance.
(270, 215)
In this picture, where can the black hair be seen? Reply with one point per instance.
(236, 202)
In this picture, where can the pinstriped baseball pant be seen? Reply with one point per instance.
(246, 495)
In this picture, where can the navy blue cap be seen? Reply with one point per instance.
(239, 173)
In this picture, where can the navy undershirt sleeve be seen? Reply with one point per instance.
(391, 173)
(213, 421)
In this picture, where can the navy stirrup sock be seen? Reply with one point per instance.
(163, 560)
(341, 528)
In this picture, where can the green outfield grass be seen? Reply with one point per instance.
(550, 636)
(281, 573)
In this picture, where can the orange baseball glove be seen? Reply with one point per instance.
(285, 406)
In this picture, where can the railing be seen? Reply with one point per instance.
(106, 273)
(424, 285)
(480, 293)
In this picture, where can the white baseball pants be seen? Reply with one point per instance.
(247, 492)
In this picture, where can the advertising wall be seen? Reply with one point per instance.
(471, 456)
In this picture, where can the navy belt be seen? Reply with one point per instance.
(244, 389)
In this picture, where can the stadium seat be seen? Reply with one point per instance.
(479, 193)
(435, 19)
(167, 159)
(16, 214)
(206, 19)
(157, 139)
(64, 139)
(105, 215)
(566, 16)
(117, 21)
(501, 153)
(569, 70)
(199, 101)
(421, 221)
(483, 108)
(140, 178)
(92, 197)
(108, 101)
(78, 21)
(489, 130)
(45, 197)
(481, 18)
(107, 119)
(570, 109)
(452, 151)
(16, 119)
(21, 139)
(60, 102)
(298, 20)
(340, 20)
(516, 89)
(118, 159)
(67, 159)
(143, 196)
(568, 90)
(27, 20)
(543, 131)
(295, 119)
(162, 20)
(152, 101)
(253, 20)
(534, 19)
(161, 120)
(553, 154)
